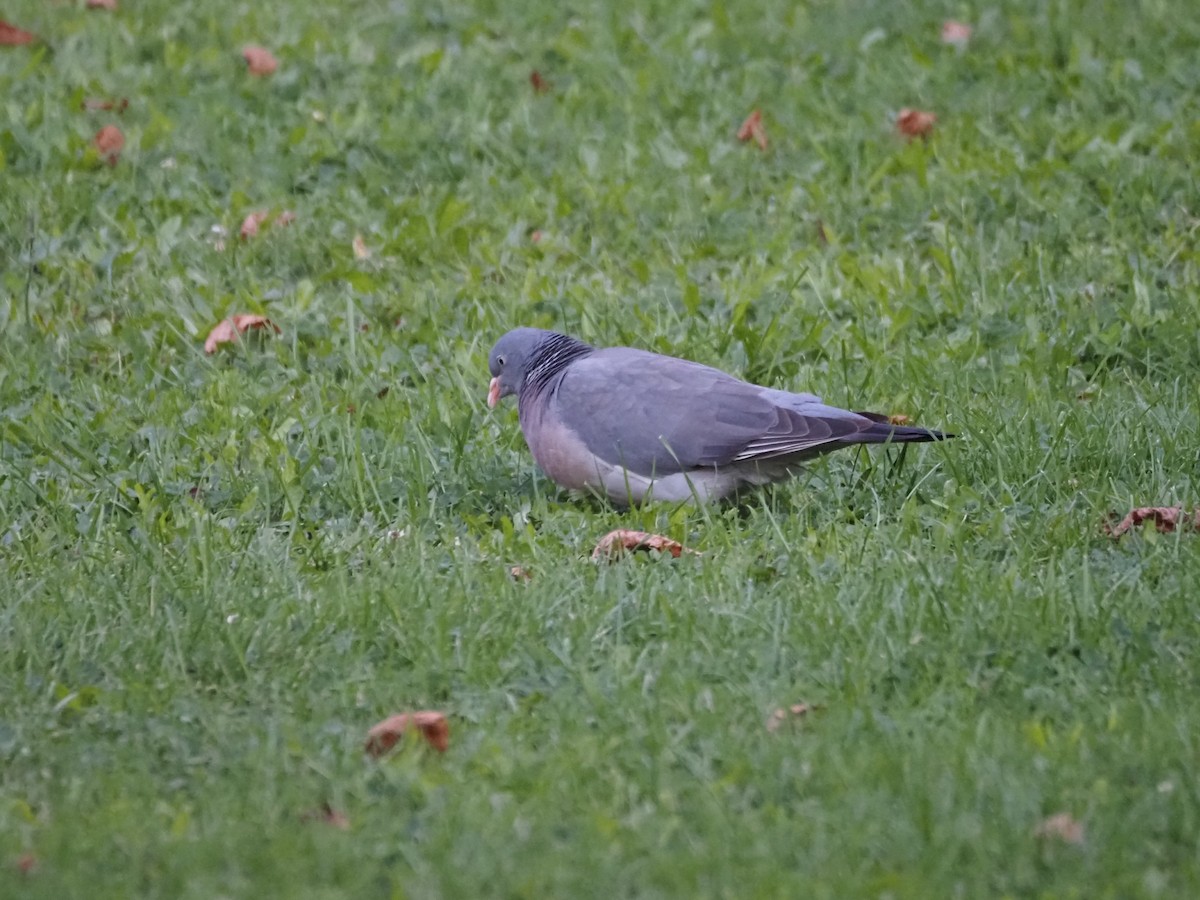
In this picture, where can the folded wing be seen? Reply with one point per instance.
(657, 415)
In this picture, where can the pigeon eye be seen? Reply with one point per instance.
(499, 360)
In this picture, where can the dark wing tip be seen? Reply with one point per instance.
(898, 431)
(882, 432)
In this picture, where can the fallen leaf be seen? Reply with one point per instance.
(95, 104)
(1060, 826)
(898, 419)
(361, 250)
(520, 573)
(913, 123)
(287, 217)
(616, 542)
(327, 814)
(109, 141)
(753, 128)
(228, 329)
(27, 863)
(12, 36)
(1165, 518)
(539, 84)
(431, 724)
(251, 223)
(796, 711)
(259, 60)
(957, 33)
(102, 4)
(822, 234)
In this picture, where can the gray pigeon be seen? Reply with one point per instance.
(635, 425)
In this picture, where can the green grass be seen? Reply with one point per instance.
(219, 572)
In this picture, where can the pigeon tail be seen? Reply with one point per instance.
(883, 433)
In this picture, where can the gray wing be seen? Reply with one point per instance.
(658, 415)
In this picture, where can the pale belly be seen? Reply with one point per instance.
(570, 464)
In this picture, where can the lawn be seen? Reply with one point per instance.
(220, 570)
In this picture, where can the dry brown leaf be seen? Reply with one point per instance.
(228, 329)
(95, 104)
(898, 419)
(259, 60)
(1060, 826)
(252, 222)
(27, 863)
(616, 542)
(361, 251)
(753, 128)
(796, 711)
(957, 33)
(1165, 518)
(431, 724)
(327, 814)
(540, 85)
(822, 234)
(102, 4)
(109, 141)
(520, 573)
(914, 123)
(12, 36)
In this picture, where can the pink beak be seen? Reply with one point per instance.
(494, 392)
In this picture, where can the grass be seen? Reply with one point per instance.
(220, 571)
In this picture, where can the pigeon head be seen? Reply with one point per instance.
(529, 356)
(509, 361)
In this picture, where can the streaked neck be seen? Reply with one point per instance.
(553, 354)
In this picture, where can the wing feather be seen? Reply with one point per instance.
(800, 433)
